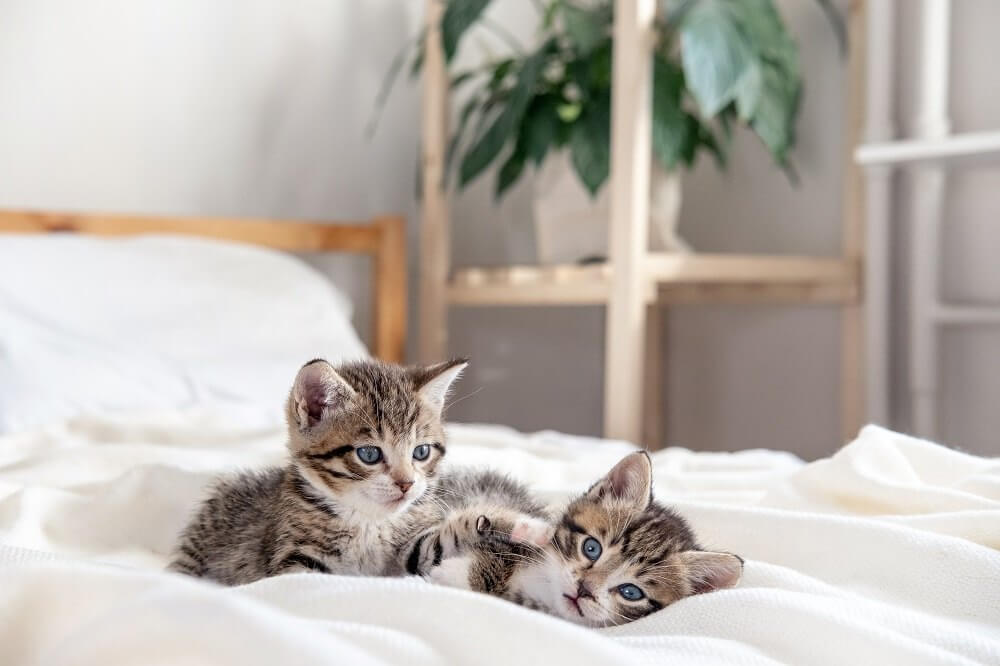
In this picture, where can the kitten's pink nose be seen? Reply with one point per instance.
(582, 592)
(403, 485)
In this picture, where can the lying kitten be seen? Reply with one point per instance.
(364, 442)
(613, 556)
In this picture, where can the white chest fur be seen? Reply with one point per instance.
(368, 549)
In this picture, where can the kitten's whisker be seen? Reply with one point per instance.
(444, 508)
(523, 556)
(458, 400)
(522, 560)
(621, 615)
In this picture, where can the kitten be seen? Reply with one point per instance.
(613, 556)
(364, 440)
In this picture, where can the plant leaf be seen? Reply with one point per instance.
(748, 93)
(774, 120)
(539, 127)
(725, 118)
(563, 131)
(672, 135)
(599, 65)
(586, 28)
(485, 150)
(509, 172)
(458, 17)
(590, 145)
(707, 138)
(489, 145)
(465, 114)
(715, 52)
(418, 58)
(500, 72)
(740, 60)
(772, 106)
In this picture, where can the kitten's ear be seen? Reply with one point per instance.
(707, 571)
(630, 481)
(433, 381)
(318, 393)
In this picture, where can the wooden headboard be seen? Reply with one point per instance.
(384, 238)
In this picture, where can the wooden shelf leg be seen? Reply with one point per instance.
(435, 246)
(631, 137)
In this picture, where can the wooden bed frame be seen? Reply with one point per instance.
(384, 238)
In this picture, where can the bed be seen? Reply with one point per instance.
(887, 552)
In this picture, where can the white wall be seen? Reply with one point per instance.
(257, 107)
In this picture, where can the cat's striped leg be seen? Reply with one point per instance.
(476, 525)
(471, 528)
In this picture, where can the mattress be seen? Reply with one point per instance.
(885, 553)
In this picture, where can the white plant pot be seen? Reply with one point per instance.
(571, 226)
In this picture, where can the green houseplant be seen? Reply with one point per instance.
(716, 64)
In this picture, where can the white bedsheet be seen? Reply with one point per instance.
(884, 554)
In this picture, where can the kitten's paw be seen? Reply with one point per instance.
(452, 572)
(531, 531)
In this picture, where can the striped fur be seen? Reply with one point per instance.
(327, 510)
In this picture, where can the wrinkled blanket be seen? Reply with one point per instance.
(885, 553)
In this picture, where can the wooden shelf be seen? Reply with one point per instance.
(672, 278)
(531, 285)
(633, 279)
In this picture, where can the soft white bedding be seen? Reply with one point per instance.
(884, 554)
(89, 325)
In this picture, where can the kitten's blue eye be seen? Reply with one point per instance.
(422, 452)
(592, 548)
(631, 592)
(369, 454)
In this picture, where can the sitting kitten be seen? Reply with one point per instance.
(364, 442)
(613, 556)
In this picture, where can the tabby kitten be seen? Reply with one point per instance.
(613, 556)
(364, 440)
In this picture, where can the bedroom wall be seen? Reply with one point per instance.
(257, 107)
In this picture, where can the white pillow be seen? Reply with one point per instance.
(90, 325)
